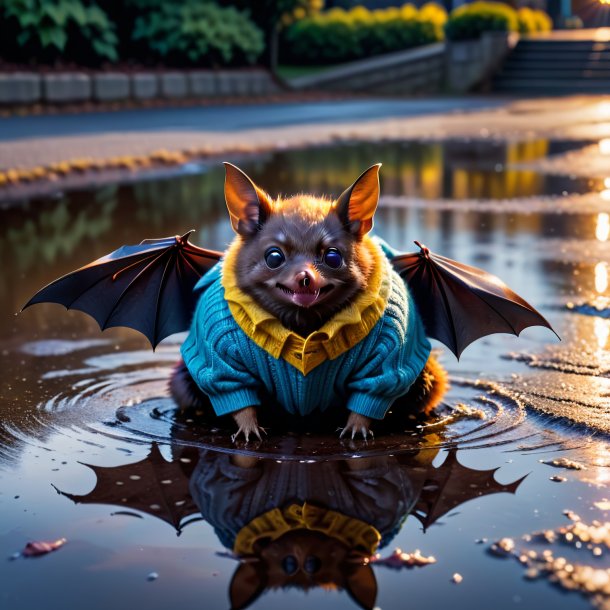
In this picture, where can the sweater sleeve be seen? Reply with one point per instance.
(216, 357)
(398, 354)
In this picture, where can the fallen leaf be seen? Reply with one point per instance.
(399, 559)
(41, 547)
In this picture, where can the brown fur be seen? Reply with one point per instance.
(339, 568)
(305, 289)
(303, 227)
(429, 389)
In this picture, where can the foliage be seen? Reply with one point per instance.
(470, 20)
(437, 15)
(340, 35)
(56, 29)
(198, 32)
(271, 14)
(533, 20)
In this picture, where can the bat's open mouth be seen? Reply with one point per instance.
(306, 296)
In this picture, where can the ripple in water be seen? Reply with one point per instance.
(123, 396)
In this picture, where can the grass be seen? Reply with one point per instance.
(287, 72)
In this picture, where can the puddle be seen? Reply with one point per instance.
(93, 450)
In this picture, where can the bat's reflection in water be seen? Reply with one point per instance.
(294, 524)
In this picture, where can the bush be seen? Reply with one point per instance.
(51, 30)
(437, 15)
(544, 23)
(471, 20)
(196, 33)
(340, 35)
(532, 21)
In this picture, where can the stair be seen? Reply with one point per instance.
(555, 65)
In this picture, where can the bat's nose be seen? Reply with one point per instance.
(304, 279)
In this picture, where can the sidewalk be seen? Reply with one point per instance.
(177, 135)
(42, 140)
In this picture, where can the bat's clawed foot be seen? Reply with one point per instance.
(357, 425)
(248, 427)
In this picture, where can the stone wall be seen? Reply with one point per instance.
(21, 88)
(455, 67)
(472, 63)
(419, 70)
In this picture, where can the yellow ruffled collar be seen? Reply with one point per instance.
(354, 533)
(344, 330)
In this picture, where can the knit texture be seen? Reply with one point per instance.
(235, 372)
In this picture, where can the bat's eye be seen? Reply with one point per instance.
(274, 258)
(290, 564)
(333, 258)
(312, 564)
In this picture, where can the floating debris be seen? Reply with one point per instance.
(571, 515)
(457, 578)
(580, 534)
(152, 576)
(602, 504)
(41, 547)
(464, 411)
(564, 463)
(459, 412)
(589, 580)
(557, 479)
(544, 536)
(126, 513)
(502, 548)
(399, 559)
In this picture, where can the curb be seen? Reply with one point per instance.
(25, 88)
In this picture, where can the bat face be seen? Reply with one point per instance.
(305, 560)
(302, 265)
(302, 258)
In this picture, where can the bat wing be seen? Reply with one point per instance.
(153, 486)
(460, 304)
(451, 484)
(147, 287)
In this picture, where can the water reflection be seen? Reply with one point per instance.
(602, 229)
(295, 524)
(59, 400)
(601, 328)
(604, 146)
(44, 238)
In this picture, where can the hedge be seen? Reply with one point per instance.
(340, 35)
(532, 21)
(471, 20)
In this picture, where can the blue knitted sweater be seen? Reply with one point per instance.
(235, 372)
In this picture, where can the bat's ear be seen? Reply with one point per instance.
(249, 206)
(357, 204)
(248, 582)
(361, 585)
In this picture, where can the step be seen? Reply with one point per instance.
(554, 45)
(546, 54)
(550, 85)
(557, 73)
(531, 64)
